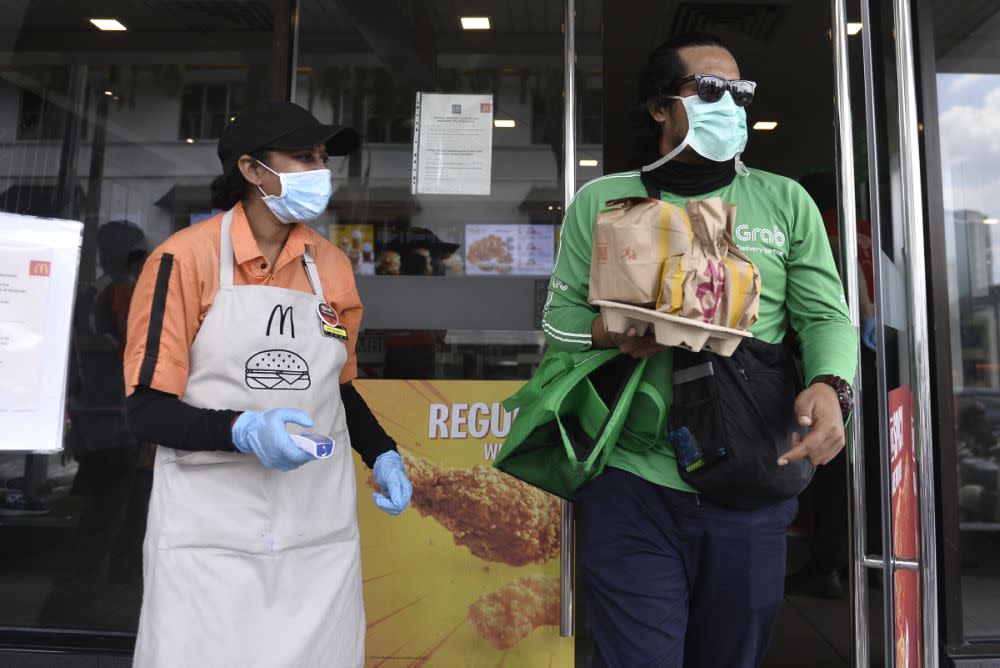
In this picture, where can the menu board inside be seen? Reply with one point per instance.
(509, 249)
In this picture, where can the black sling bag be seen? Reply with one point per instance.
(732, 418)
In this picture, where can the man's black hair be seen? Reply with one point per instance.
(660, 78)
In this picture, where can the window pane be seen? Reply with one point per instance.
(72, 526)
(216, 104)
(967, 39)
(414, 253)
(191, 106)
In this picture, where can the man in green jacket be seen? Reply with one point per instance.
(670, 578)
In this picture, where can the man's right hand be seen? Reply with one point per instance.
(630, 343)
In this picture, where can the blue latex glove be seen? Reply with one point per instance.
(390, 475)
(265, 435)
(868, 332)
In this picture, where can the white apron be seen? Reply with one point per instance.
(245, 566)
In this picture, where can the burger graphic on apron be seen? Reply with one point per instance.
(277, 370)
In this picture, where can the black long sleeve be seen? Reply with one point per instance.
(367, 436)
(164, 419)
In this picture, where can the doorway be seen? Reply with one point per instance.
(787, 48)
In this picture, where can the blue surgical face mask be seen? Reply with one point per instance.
(304, 195)
(716, 130)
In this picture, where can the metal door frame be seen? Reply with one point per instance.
(847, 220)
(567, 573)
(956, 649)
(916, 336)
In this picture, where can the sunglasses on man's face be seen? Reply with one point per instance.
(711, 88)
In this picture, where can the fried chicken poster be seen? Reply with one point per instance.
(468, 575)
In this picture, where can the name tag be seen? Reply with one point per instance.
(329, 323)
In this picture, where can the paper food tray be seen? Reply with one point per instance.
(671, 330)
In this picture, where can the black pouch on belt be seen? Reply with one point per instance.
(732, 418)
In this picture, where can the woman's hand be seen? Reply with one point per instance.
(266, 435)
(390, 475)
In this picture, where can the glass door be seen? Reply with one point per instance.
(115, 126)
(906, 424)
(449, 214)
(960, 81)
(797, 131)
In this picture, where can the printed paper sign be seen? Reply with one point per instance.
(452, 144)
(25, 276)
(39, 258)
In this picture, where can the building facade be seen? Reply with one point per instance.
(896, 103)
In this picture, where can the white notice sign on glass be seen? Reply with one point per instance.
(39, 259)
(452, 144)
(25, 276)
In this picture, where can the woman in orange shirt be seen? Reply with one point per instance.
(241, 326)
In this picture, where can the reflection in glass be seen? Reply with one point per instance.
(118, 132)
(441, 259)
(355, 80)
(968, 82)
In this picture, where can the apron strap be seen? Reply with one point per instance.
(226, 259)
(313, 274)
(226, 252)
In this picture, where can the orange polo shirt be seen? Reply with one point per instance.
(179, 282)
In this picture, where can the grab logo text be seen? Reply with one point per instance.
(760, 240)
(760, 235)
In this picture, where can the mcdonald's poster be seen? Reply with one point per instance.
(468, 575)
(906, 528)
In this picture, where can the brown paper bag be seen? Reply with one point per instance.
(693, 284)
(632, 239)
(741, 294)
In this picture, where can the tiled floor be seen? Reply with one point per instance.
(798, 641)
(810, 632)
(817, 633)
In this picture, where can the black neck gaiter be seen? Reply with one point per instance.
(689, 179)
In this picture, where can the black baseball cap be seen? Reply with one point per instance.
(281, 125)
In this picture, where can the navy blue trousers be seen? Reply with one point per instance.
(674, 581)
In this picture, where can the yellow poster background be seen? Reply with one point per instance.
(418, 583)
(358, 242)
